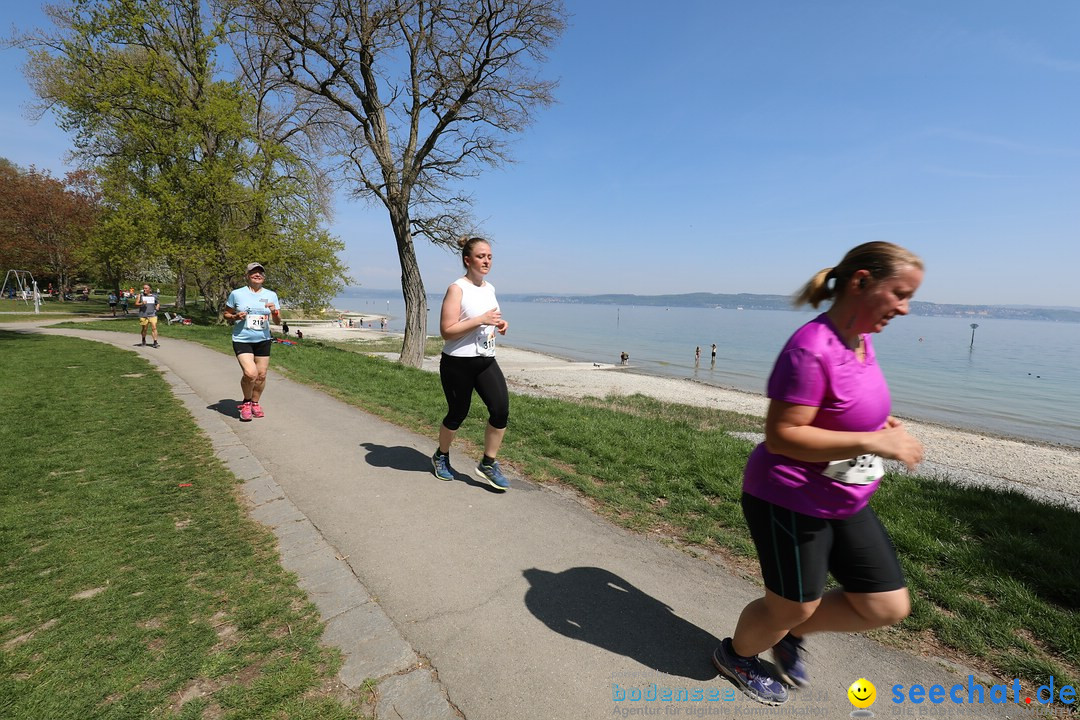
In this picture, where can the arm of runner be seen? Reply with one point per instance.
(232, 314)
(275, 313)
(788, 432)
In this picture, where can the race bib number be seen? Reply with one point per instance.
(255, 322)
(485, 340)
(861, 470)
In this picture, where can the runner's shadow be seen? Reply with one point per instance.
(399, 458)
(596, 606)
(227, 407)
(410, 459)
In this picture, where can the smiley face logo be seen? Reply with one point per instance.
(862, 693)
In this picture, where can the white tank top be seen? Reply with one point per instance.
(479, 342)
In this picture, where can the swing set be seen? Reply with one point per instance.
(23, 286)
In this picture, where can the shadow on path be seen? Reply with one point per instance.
(409, 459)
(399, 457)
(596, 606)
(228, 407)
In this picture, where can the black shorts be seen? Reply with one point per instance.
(259, 349)
(460, 376)
(797, 552)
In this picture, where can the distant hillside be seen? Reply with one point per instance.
(748, 301)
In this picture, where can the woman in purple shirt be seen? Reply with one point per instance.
(807, 488)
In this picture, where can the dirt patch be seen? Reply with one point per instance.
(27, 637)
(149, 685)
(213, 711)
(87, 594)
(250, 674)
(228, 636)
(197, 688)
(362, 698)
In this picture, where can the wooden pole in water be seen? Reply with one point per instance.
(973, 326)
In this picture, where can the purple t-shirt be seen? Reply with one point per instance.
(816, 368)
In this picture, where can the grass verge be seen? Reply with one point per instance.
(994, 575)
(133, 583)
(51, 307)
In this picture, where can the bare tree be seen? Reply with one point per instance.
(410, 97)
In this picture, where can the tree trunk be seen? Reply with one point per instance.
(181, 289)
(412, 286)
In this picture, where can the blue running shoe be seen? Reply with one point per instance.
(749, 675)
(441, 466)
(493, 475)
(788, 656)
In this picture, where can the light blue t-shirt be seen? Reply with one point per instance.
(256, 326)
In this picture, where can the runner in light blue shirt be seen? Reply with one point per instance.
(252, 309)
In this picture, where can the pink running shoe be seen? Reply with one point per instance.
(245, 411)
(256, 410)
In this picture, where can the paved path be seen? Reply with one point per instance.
(467, 603)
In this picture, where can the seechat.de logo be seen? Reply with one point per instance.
(974, 693)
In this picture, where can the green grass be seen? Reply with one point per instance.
(96, 305)
(124, 589)
(389, 344)
(994, 575)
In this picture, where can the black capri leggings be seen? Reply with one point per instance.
(460, 376)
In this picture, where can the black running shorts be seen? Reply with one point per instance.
(259, 349)
(797, 552)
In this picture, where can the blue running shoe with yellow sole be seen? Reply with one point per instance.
(441, 466)
(493, 475)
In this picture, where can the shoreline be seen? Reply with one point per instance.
(1047, 471)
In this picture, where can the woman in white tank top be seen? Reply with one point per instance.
(468, 323)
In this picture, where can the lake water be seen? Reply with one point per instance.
(1021, 378)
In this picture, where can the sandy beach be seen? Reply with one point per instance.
(1046, 472)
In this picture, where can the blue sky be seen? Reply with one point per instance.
(721, 146)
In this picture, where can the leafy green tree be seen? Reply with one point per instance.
(138, 84)
(127, 220)
(409, 97)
